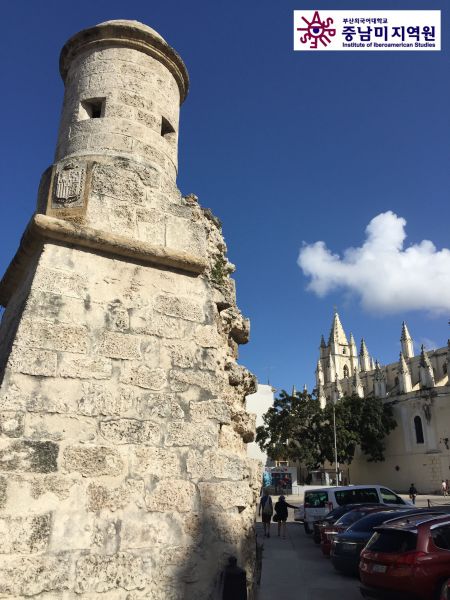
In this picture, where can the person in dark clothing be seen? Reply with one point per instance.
(234, 581)
(266, 508)
(281, 515)
(413, 493)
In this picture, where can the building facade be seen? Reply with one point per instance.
(258, 404)
(417, 387)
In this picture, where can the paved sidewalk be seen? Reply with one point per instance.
(294, 569)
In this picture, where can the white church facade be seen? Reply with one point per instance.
(417, 387)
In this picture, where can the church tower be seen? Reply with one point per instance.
(123, 462)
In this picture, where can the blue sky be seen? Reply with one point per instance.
(285, 147)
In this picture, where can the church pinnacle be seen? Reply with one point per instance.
(426, 370)
(406, 342)
(404, 380)
(364, 357)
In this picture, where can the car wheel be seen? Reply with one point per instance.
(445, 591)
(307, 528)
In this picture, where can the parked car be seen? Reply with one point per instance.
(331, 530)
(408, 558)
(329, 519)
(346, 546)
(320, 501)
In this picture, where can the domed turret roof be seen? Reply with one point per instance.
(131, 23)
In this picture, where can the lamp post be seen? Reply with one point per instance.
(335, 442)
(335, 398)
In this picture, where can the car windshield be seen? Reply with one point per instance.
(316, 499)
(368, 522)
(390, 540)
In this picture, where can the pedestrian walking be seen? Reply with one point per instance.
(281, 515)
(444, 487)
(266, 509)
(234, 581)
(412, 493)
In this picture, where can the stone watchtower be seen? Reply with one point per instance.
(123, 469)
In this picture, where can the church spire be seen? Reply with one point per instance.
(337, 333)
(406, 342)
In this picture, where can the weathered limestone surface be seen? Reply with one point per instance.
(123, 471)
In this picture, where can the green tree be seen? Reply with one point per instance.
(296, 428)
(290, 427)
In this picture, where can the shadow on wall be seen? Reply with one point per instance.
(199, 574)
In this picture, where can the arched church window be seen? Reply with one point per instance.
(419, 430)
(346, 372)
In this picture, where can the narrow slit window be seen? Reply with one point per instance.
(92, 109)
(167, 130)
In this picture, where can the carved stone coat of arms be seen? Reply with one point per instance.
(69, 184)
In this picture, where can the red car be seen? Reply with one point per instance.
(408, 558)
(328, 532)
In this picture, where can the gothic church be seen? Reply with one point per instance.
(418, 388)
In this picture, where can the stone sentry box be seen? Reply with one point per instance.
(123, 470)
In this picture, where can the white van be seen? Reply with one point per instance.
(319, 502)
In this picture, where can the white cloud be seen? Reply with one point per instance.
(387, 277)
(427, 343)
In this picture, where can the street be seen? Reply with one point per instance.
(295, 569)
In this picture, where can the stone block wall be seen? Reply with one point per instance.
(122, 455)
